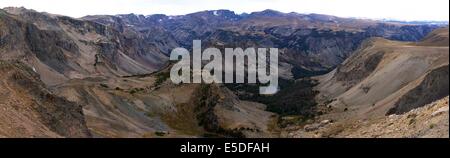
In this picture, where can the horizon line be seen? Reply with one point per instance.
(237, 13)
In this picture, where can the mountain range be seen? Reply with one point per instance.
(107, 75)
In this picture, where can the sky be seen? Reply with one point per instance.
(408, 10)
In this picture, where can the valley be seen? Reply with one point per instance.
(108, 76)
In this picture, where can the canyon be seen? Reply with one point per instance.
(109, 76)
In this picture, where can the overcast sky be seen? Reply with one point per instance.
(375, 9)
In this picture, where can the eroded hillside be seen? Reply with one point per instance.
(152, 106)
(29, 109)
(61, 48)
(381, 79)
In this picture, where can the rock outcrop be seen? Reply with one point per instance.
(29, 109)
(64, 48)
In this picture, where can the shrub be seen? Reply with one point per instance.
(432, 126)
(135, 90)
(161, 77)
(104, 85)
(160, 134)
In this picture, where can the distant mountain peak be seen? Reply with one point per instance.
(268, 12)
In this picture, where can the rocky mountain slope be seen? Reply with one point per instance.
(62, 48)
(151, 106)
(429, 121)
(107, 76)
(309, 43)
(413, 69)
(29, 109)
(384, 78)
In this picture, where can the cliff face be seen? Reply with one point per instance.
(309, 44)
(135, 44)
(433, 87)
(382, 80)
(414, 70)
(64, 48)
(28, 109)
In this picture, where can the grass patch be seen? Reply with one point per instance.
(136, 90)
(160, 78)
(150, 114)
(296, 120)
(160, 134)
(104, 85)
(432, 126)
